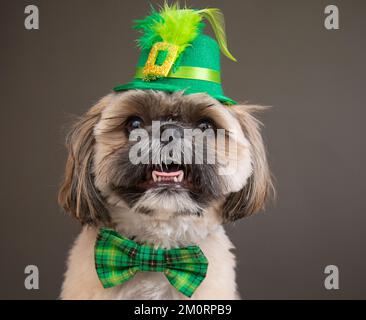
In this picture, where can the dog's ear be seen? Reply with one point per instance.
(259, 185)
(78, 194)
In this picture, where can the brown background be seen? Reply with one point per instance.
(313, 78)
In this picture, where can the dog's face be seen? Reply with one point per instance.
(165, 155)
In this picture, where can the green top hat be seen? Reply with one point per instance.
(177, 56)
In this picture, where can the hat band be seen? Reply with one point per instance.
(184, 72)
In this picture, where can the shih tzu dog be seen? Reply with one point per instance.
(103, 188)
(154, 172)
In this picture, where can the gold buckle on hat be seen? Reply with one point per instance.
(152, 70)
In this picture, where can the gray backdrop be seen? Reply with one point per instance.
(313, 78)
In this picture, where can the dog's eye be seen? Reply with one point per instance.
(133, 123)
(205, 124)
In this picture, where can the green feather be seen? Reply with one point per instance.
(172, 25)
(180, 27)
(149, 36)
(217, 21)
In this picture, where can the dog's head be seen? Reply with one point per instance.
(165, 155)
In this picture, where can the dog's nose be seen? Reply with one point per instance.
(171, 131)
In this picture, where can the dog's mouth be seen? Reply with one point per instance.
(168, 175)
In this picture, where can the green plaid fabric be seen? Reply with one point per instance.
(117, 259)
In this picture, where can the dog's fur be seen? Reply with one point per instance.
(101, 188)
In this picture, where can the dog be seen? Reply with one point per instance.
(103, 188)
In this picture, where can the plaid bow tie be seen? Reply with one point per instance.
(118, 259)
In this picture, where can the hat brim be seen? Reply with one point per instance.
(140, 85)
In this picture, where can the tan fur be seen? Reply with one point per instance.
(75, 191)
(86, 193)
(259, 187)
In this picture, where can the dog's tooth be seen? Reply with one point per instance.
(180, 177)
(159, 179)
(154, 176)
(175, 179)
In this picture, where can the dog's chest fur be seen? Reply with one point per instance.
(81, 281)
